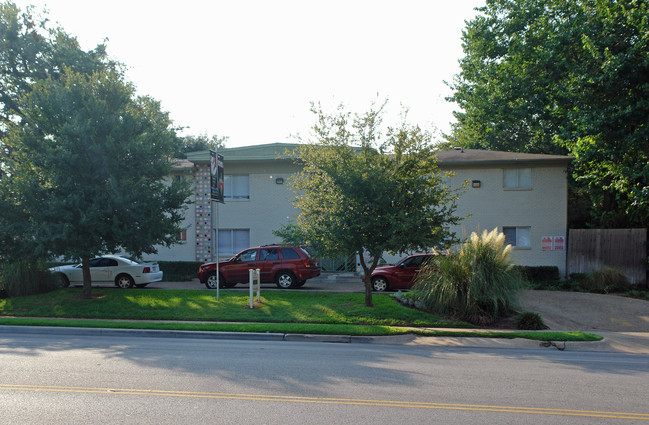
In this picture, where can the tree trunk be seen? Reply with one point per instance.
(87, 280)
(368, 290)
(367, 277)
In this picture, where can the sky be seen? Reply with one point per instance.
(249, 69)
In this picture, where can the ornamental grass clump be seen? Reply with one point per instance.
(477, 284)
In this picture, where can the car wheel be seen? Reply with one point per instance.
(124, 281)
(65, 282)
(380, 284)
(286, 280)
(210, 283)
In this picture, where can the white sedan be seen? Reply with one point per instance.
(123, 272)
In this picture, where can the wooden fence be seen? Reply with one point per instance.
(624, 249)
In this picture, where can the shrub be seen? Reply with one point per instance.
(477, 284)
(529, 321)
(179, 271)
(539, 273)
(23, 278)
(608, 279)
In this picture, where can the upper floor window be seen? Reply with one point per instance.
(236, 187)
(517, 178)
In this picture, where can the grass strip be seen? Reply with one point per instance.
(196, 305)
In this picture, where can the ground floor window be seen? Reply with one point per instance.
(232, 241)
(517, 236)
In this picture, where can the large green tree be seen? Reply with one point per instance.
(31, 49)
(87, 169)
(564, 76)
(368, 190)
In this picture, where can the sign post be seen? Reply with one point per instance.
(217, 187)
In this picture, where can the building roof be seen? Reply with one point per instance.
(459, 156)
(247, 153)
(454, 157)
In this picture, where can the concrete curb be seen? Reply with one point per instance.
(629, 343)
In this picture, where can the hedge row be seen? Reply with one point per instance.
(539, 273)
(179, 271)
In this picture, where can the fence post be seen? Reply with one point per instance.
(258, 285)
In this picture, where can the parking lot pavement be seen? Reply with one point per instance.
(328, 282)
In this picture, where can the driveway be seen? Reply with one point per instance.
(587, 312)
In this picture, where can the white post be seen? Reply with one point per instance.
(251, 274)
(216, 245)
(258, 286)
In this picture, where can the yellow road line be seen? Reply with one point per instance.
(340, 401)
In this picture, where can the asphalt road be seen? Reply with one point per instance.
(58, 379)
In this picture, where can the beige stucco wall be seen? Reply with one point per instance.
(543, 208)
(270, 204)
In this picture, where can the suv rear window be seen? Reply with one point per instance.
(290, 254)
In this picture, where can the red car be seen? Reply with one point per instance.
(287, 266)
(399, 276)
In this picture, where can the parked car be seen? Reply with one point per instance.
(123, 272)
(287, 266)
(400, 275)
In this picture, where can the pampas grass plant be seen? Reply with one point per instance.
(477, 284)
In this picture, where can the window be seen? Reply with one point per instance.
(236, 187)
(517, 236)
(248, 256)
(415, 261)
(268, 254)
(290, 254)
(182, 236)
(517, 178)
(232, 241)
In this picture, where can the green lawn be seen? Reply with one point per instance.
(278, 311)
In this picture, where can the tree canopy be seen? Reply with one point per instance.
(202, 142)
(85, 163)
(89, 164)
(564, 76)
(367, 191)
(32, 50)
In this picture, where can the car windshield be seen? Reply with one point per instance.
(400, 261)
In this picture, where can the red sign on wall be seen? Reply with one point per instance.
(559, 243)
(546, 243)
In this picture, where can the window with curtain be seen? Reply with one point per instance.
(236, 187)
(518, 237)
(232, 241)
(517, 178)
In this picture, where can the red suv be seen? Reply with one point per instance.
(287, 266)
(399, 276)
